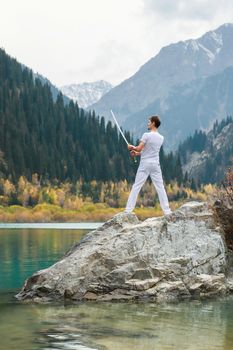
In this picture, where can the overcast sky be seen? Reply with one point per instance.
(72, 41)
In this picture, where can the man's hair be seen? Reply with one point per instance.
(155, 119)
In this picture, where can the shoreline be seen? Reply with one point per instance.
(52, 225)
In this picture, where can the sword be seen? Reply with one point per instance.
(118, 126)
(121, 132)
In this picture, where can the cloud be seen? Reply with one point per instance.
(177, 20)
(74, 40)
(182, 9)
(113, 58)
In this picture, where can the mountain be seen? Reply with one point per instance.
(205, 156)
(86, 94)
(176, 65)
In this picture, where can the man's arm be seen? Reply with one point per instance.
(138, 148)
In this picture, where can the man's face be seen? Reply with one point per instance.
(149, 125)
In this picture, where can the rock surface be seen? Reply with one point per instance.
(163, 259)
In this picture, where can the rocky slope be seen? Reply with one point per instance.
(164, 258)
(209, 165)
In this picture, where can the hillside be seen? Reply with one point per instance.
(206, 156)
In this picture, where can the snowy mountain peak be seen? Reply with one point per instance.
(209, 45)
(87, 93)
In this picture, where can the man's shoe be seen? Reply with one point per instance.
(127, 212)
(170, 216)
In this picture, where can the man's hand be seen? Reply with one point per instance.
(131, 147)
(134, 153)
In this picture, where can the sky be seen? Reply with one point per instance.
(75, 41)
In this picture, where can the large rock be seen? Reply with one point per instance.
(164, 258)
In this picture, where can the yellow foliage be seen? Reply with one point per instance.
(22, 182)
(16, 209)
(93, 183)
(4, 200)
(46, 206)
(89, 207)
(201, 196)
(209, 189)
(8, 187)
(35, 179)
(53, 196)
(60, 197)
(123, 198)
(101, 206)
(73, 203)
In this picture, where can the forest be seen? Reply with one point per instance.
(59, 141)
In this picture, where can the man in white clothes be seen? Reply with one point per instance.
(148, 148)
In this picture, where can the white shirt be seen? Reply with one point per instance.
(153, 142)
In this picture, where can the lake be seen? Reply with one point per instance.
(186, 325)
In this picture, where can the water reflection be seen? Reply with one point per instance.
(121, 326)
(187, 325)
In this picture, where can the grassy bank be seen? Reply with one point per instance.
(89, 213)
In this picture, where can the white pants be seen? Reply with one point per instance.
(148, 168)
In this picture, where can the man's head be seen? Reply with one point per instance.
(153, 122)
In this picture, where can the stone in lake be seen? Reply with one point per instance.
(183, 255)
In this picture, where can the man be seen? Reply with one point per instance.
(148, 148)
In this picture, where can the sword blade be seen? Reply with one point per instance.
(118, 126)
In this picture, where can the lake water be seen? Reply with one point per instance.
(91, 325)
